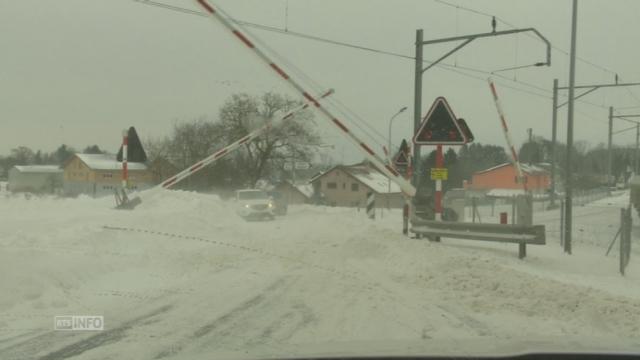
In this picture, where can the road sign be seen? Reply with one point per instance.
(440, 126)
(300, 165)
(401, 158)
(439, 174)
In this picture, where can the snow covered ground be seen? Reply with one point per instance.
(182, 276)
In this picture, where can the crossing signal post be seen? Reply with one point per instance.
(441, 127)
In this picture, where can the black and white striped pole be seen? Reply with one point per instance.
(371, 205)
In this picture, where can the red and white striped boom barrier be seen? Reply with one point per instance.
(507, 135)
(378, 162)
(233, 146)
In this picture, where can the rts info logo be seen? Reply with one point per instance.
(79, 322)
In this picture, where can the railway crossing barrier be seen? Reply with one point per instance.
(371, 205)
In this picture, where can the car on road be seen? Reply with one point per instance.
(254, 204)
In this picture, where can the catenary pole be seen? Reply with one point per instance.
(554, 136)
(417, 106)
(610, 149)
(569, 165)
(635, 155)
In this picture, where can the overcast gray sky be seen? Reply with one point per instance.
(78, 71)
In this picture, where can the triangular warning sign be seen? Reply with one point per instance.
(135, 151)
(402, 156)
(440, 126)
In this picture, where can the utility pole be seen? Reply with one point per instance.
(569, 180)
(610, 149)
(530, 132)
(635, 155)
(611, 133)
(417, 107)
(389, 151)
(591, 88)
(554, 135)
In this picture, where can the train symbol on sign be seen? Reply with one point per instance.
(441, 127)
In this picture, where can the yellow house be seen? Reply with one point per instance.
(349, 185)
(100, 174)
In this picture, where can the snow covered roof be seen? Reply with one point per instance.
(38, 168)
(372, 178)
(367, 175)
(529, 169)
(378, 183)
(305, 189)
(107, 162)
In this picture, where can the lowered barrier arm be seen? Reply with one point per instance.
(216, 14)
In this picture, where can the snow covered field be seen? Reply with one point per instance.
(182, 276)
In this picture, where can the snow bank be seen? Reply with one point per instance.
(181, 276)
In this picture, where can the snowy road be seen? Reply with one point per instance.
(182, 276)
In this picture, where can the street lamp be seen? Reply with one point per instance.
(389, 155)
(390, 122)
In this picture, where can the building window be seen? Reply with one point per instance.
(355, 187)
(107, 175)
(332, 185)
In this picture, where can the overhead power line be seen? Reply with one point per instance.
(482, 13)
(465, 71)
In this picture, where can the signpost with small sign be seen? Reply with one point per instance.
(439, 173)
(441, 127)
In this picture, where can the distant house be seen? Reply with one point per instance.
(35, 178)
(501, 181)
(300, 193)
(100, 174)
(348, 186)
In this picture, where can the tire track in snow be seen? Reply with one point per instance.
(255, 321)
(30, 348)
(472, 324)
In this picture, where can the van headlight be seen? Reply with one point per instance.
(247, 206)
(270, 205)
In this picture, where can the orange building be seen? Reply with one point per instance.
(503, 176)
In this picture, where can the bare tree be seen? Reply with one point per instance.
(23, 155)
(294, 138)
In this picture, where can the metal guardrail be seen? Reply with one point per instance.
(505, 233)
